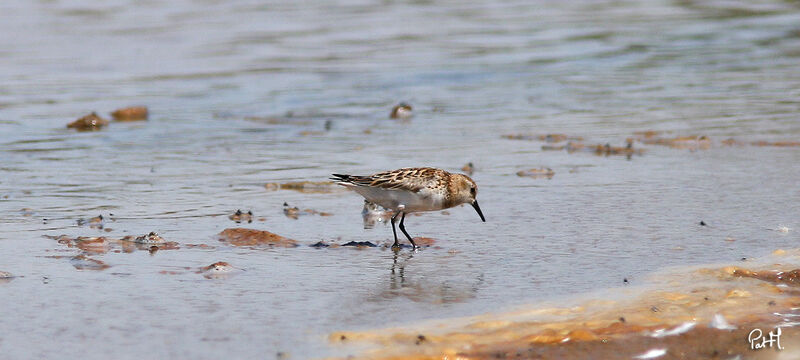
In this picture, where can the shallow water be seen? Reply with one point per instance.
(473, 72)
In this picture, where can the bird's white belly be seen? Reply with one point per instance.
(401, 200)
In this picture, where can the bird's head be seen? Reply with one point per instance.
(465, 191)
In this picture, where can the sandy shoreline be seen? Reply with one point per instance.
(696, 313)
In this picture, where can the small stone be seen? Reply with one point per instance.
(401, 111)
(83, 262)
(360, 244)
(240, 216)
(468, 168)
(134, 113)
(543, 172)
(218, 269)
(88, 123)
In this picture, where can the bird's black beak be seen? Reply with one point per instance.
(478, 209)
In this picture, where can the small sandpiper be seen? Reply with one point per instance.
(410, 190)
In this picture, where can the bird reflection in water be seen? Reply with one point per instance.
(373, 213)
(423, 287)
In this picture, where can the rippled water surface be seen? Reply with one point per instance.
(240, 94)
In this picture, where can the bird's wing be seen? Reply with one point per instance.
(409, 179)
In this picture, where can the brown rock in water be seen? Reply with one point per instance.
(401, 111)
(549, 138)
(252, 237)
(96, 222)
(218, 269)
(777, 143)
(98, 245)
(692, 142)
(553, 147)
(291, 212)
(150, 239)
(360, 244)
(468, 168)
(649, 134)
(200, 246)
(424, 241)
(294, 212)
(6, 277)
(732, 142)
(83, 262)
(88, 123)
(217, 266)
(306, 186)
(134, 113)
(130, 243)
(240, 216)
(537, 173)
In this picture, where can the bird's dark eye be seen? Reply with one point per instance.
(472, 191)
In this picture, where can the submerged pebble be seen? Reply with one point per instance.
(96, 222)
(6, 277)
(776, 143)
(549, 138)
(537, 173)
(92, 244)
(219, 269)
(692, 142)
(310, 187)
(599, 149)
(83, 262)
(294, 212)
(468, 169)
(102, 244)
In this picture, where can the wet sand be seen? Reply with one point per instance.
(697, 313)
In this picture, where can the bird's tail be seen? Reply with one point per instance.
(340, 177)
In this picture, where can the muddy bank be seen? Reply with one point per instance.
(697, 313)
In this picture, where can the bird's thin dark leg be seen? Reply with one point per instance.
(403, 229)
(394, 231)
